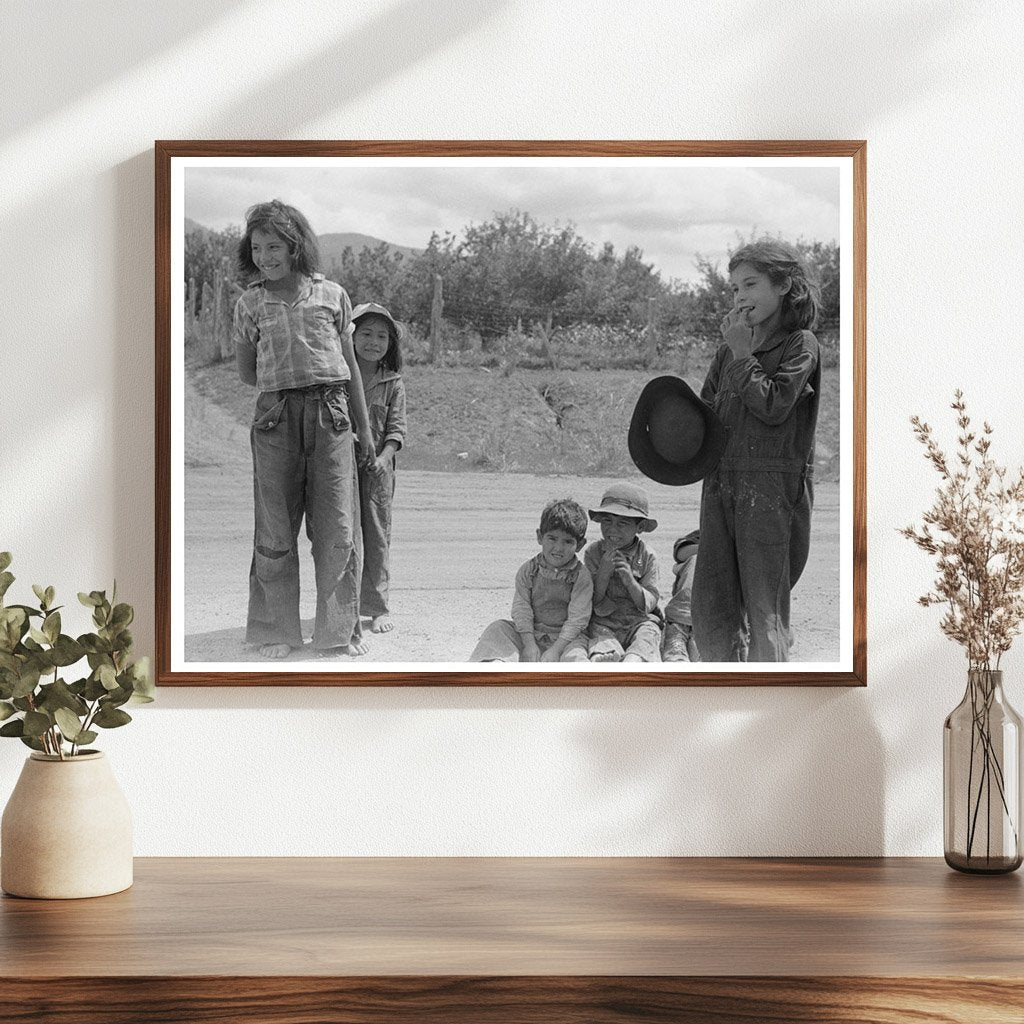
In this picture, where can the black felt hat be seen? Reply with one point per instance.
(674, 437)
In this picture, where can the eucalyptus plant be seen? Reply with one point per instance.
(45, 711)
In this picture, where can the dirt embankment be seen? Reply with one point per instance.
(458, 539)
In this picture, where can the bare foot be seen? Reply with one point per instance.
(357, 647)
(382, 624)
(275, 651)
(632, 657)
(602, 656)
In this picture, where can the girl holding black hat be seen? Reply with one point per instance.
(764, 384)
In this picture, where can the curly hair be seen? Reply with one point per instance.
(782, 263)
(288, 223)
(566, 515)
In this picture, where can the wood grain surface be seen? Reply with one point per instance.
(306, 940)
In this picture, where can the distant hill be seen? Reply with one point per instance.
(332, 245)
(191, 227)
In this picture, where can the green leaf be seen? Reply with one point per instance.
(111, 718)
(40, 593)
(115, 698)
(9, 662)
(6, 710)
(31, 741)
(94, 689)
(15, 728)
(28, 610)
(58, 695)
(13, 624)
(97, 646)
(107, 676)
(36, 723)
(142, 682)
(89, 600)
(38, 636)
(122, 616)
(51, 627)
(27, 681)
(6, 579)
(86, 736)
(50, 595)
(67, 651)
(69, 724)
(5, 560)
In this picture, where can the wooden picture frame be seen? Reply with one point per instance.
(619, 201)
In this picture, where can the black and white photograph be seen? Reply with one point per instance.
(575, 417)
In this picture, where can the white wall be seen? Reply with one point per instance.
(936, 88)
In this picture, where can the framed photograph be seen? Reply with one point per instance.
(528, 413)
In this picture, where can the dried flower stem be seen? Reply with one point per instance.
(975, 531)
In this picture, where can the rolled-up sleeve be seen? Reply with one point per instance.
(580, 606)
(710, 388)
(344, 314)
(244, 336)
(772, 398)
(394, 429)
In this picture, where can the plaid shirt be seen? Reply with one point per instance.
(296, 345)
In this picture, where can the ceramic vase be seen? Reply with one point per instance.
(66, 830)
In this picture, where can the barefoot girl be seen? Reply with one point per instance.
(755, 514)
(293, 341)
(379, 355)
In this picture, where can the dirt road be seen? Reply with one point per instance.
(458, 540)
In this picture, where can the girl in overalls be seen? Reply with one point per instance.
(379, 354)
(755, 514)
(293, 342)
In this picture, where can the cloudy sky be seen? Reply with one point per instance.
(672, 211)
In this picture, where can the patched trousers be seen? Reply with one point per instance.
(754, 542)
(304, 467)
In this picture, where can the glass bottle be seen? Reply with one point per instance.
(981, 779)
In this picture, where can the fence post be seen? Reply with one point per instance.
(209, 353)
(651, 330)
(224, 311)
(436, 309)
(545, 331)
(217, 325)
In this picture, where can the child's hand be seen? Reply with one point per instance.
(622, 568)
(531, 652)
(737, 333)
(553, 653)
(380, 464)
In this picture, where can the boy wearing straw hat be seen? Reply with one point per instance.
(626, 623)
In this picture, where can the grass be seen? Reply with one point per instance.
(530, 421)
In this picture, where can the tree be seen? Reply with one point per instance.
(208, 253)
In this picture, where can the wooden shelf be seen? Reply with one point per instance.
(502, 940)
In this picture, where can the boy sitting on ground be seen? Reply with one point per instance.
(626, 622)
(678, 644)
(552, 601)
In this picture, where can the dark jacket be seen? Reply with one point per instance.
(768, 403)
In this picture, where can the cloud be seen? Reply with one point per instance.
(671, 211)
